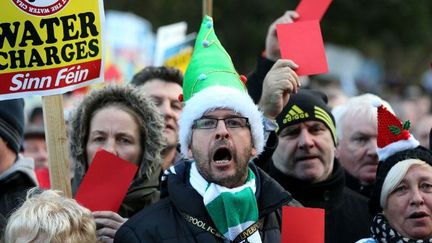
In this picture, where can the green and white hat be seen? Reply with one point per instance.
(210, 83)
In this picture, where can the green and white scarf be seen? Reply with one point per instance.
(232, 209)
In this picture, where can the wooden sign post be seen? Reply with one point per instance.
(208, 7)
(56, 139)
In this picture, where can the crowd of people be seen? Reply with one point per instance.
(219, 154)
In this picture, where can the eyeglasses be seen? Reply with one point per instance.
(230, 122)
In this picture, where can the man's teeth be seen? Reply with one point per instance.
(221, 161)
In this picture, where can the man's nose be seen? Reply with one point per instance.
(221, 131)
(371, 147)
(43, 154)
(165, 109)
(305, 139)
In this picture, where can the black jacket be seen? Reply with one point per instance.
(14, 184)
(162, 222)
(346, 212)
(354, 184)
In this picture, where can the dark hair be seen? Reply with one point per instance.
(36, 111)
(167, 74)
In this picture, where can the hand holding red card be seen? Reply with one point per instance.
(305, 225)
(302, 42)
(106, 182)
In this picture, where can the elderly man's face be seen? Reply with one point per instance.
(408, 207)
(222, 153)
(305, 151)
(356, 150)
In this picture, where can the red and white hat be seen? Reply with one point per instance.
(393, 135)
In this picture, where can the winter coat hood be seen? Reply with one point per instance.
(147, 115)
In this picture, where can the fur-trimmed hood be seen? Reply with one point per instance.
(151, 128)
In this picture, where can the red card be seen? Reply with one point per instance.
(305, 225)
(42, 176)
(312, 9)
(302, 42)
(106, 182)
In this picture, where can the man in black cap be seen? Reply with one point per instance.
(304, 164)
(16, 173)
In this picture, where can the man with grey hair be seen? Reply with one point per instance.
(357, 141)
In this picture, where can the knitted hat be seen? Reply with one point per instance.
(393, 136)
(12, 122)
(211, 82)
(307, 105)
(395, 144)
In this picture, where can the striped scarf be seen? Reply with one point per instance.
(382, 232)
(231, 209)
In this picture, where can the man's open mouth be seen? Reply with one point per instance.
(222, 155)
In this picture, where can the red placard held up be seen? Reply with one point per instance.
(106, 182)
(302, 42)
(305, 225)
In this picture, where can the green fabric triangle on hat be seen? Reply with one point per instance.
(210, 64)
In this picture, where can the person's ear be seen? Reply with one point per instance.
(430, 139)
(190, 155)
(253, 152)
(337, 152)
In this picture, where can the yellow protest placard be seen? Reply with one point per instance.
(49, 46)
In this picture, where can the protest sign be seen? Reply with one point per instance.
(166, 37)
(49, 47)
(179, 55)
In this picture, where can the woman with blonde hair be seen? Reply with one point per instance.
(47, 216)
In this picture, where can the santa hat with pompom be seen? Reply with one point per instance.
(393, 135)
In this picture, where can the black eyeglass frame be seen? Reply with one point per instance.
(244, 122)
